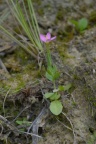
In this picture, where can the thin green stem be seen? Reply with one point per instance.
(54, 85)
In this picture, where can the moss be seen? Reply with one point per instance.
(61, 34)
(76, 77)
(47, 6)
(60, 13)
(83, 8)
(62, 50)
(17, 80)
(66, 56)
(63, 54)
(18, 29)
(92, 17)
(66, 34)
(22, 56)
(89, 96)
(69, 31)
(40, 12)
(37, 2)
(74, 103)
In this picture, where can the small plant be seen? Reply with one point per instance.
(22, 122)
(53, 74)
(54, 97)
(80, 25)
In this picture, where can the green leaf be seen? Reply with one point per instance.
(65, 88)
(49, 76)
(26, 123)
(82, 24)
(22, 130)
(55, 96)
(74, 22)
(52, 73)
(48, 95)
(61, 88)
(56, 107)
(56, 75)
(52, 96)
(19, 122)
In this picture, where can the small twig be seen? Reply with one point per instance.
(13, 128)
(20, 113)
(73, 98)
(1, 129)
(64, 124)
(31, 134)
(67, 74)
(4, 119)
(3, 66)
(37, 121)
(4, 101)
(71, 126)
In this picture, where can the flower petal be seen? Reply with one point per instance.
(48, 36)
(42, 37)
(53, 38)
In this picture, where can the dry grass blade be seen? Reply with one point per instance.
(25, 17)
(4, 15)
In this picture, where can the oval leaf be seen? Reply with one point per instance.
(65, 87)
(49, 76)
(56, 107)
(55, 96)
(82, 24)
(47, 95)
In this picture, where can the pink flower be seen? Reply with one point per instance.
(46, 38)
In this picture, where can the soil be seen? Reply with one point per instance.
(21, 83)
